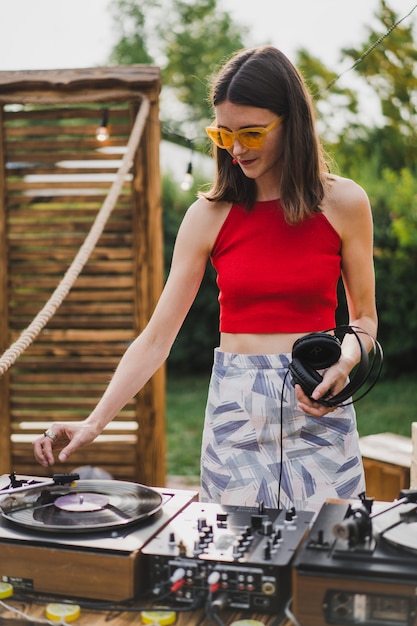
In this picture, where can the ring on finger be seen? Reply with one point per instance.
(50, 434)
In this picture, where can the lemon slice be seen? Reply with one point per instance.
(66, 612)
(248, 622)
(162, 618)
(6, 590)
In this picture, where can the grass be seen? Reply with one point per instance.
(186, 401)
(389, 407)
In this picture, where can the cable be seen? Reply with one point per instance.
(30, 618)
(289, 615)
(280, 437)
(119, 607)
(366, 53)
(215, 604)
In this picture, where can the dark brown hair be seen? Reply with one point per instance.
(265, 78)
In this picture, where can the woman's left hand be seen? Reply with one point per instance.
(310, 406)
(334, 379)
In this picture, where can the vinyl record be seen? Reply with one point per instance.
(84, 506)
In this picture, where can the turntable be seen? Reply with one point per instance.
(82, 539)
(358, 565)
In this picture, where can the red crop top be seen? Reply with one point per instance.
(274, 277)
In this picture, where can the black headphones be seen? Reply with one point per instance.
(317, 351)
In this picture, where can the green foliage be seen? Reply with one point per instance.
(332, 101)
(203, 36)
(393, 197)
(188, 44)
(390, 69)
(395, 269)
(133, 45)
(193, 349)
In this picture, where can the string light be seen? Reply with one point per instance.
(102, 132)
(188, 179)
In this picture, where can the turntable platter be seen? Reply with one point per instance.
(398, 527)
(83, 506)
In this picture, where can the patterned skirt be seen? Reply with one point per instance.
(258, 447)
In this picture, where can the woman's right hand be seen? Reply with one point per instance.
(65, 437)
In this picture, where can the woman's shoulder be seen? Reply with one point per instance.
(344, 192)
(203, 205)
(345, 204)
(203, 220)
(208, 213)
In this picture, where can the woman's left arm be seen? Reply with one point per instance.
(348, 209)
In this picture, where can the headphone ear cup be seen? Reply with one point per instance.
(320, 350)
(305, 376)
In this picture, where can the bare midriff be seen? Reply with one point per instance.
(265, 343)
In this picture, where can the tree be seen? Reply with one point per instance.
(391, 70)
(336, 106)
(133, 45)
(203, 37)
(187, 44)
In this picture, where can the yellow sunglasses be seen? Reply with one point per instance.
(252, 137)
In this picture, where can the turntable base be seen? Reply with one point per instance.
(96, 560)
(351, 572)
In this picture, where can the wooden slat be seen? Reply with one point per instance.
(5, 450)
(148, 275)
(86, 128)
(115, 457)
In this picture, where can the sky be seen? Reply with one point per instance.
(57, 34)
(54, 34)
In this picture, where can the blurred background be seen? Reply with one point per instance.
(360, 62)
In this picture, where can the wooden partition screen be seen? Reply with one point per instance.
(54, 177)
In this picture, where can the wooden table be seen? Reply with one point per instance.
(36, 609)
(387, 461)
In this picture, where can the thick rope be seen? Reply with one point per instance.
(33, 330)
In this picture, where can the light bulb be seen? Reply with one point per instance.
(102, 133)
(188, 179)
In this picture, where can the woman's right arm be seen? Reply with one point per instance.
(151, 348)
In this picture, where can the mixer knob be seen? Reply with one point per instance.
(267, 551)
(236, 553)
(267, 527)
(171, 539)
(258, 520)
(291, 514)
(247, 532)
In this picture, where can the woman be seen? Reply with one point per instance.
(279, 230)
